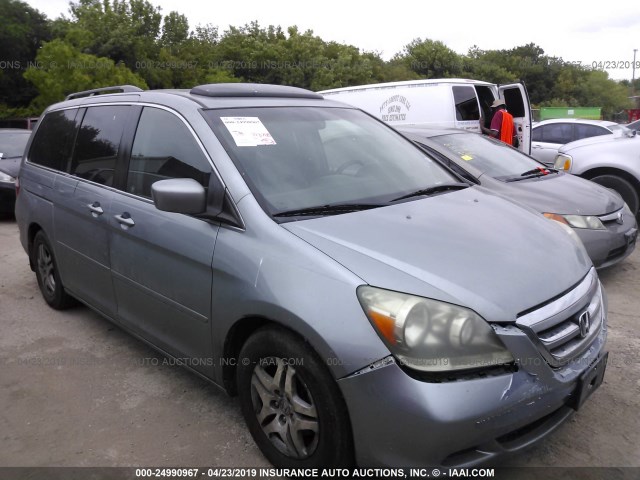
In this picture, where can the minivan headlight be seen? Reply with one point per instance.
(577, 221)
(430, 335)
(563, 162)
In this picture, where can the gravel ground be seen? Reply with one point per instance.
(75, 390)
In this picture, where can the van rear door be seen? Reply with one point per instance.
(516, 97)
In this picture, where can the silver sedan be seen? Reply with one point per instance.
(598, 215)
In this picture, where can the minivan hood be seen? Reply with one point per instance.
(469, 247)
(559, 193)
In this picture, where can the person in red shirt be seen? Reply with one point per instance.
(502, 126)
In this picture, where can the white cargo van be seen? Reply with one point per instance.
(449, 102)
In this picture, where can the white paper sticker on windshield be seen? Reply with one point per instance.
(248, 131)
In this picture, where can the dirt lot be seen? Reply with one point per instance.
(77, 391)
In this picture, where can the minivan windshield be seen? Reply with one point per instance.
(495, 158)
(323, 160)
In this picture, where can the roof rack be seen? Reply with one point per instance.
(252, 90)
(96, 91)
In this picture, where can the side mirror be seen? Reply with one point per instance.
(179, 195)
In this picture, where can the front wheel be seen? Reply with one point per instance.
(621, 185)
(291, 403)
(47, 274)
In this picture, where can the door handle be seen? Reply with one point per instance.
(125, 220)
(95, 209)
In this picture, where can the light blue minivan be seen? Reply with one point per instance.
(366, 304)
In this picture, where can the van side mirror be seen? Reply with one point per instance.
(179, 195)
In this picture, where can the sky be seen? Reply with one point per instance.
(574, 31)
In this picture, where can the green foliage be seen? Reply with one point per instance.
(123, 30)
(63, 69)
(431, 59)
(271, 55)
(22, 29)
(175, 29)
(107, 42)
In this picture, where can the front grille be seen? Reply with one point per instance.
(612, 218)
(566, 327)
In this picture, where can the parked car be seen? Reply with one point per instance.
(12, 144)
(365, 302)
(549, 135)
(598, 215)
(608, 160)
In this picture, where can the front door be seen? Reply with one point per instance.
(161, 261)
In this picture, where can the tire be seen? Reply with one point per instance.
(47, 274)
(291, 403)
(621, 185)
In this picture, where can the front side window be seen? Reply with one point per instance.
(466, 103)
(52, 144)
(558, 133)
(302, 157)
(164, 148)
(494, 158)
(98, 143)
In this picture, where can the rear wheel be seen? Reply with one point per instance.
(47, 274)
(291, 403)
(621, 185)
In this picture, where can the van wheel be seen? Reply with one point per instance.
(47, 274)
(626, 190)
(291, 403)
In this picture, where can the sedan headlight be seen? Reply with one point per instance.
(430, 335)
(6, 178)
(563, 162)
(578, 221)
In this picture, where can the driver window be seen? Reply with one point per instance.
(164, 148)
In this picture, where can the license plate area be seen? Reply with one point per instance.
(589, 382)
(631, 236)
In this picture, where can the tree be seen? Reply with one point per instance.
(599, 91)
(125, 31)
(63, 69)
(22, 30)
(431, 59)
(175, 29)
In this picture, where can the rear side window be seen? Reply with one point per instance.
(164, 148)
(466, 103)
(98, 142)
(586, 131)
(53, 142)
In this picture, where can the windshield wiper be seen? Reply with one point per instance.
(534, 172)
(435, 189)
(328, 209)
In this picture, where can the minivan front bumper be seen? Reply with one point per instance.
(400, 420)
